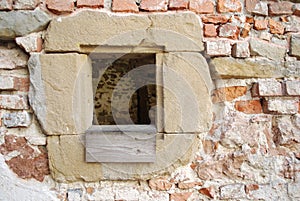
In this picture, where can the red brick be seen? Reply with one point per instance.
(209, 192)
(228, 93)
(178, 4)
(180, 196)
(225, 6)
(249, 20)
(257, 7)
(215, 19)
(229, 31)
(249, 106)
(17, 102)
(21, 84)
(160, 184)
(125, 6)
(245, 30)
(281, 8)
(157, 5)
(296, 9)
(90, 3)
(260, 24)
(210, 30)
(202, 6)
(188, 185)
(6, 4)
(251, 187)
(59, 6)
(276, 27)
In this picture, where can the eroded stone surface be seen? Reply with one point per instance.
(295, 45)
(17, 119)
(154, 30)
(12, 58)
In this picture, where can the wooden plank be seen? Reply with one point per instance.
(114, 145)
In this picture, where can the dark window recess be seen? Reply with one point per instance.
(110, 70)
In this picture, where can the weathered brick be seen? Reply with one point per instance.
(178, 4)
(295, 45)
(276, 27)
(6, 4)
(17, 119)
(265, 35)
(218, 48)
(245, 30)
(202, 7)
(249, 106)
(21, 84)
(257, 7)
(225, 6)
(6, 82)
(90, 3)
(293, 87)
(209, 192)
(296, 9)
(215, 19)
(125, 6)
(17, 102)
(281, 8)
(228, 93)
(188, 185)
(241, 50)
(158, 5)
(12, 58)
(31, 43)
(180, 196)
(267, 88)
(229, 31)
(249, 19)
(160, 184)
(260, 24)
(25, 4)
(210, 30)
(60, 7)
(281, 106)
(233, 191)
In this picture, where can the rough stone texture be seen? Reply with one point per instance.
(180, 86)
(260, 24)
(276, 27)
(225, 6)
(296, 9)
(210, 30)
(281, 106)
(14, 102)
(257, 7)
(160, 184)
(158, 5)
(25, 4)
(66, 159)
(202, 7)
(233, 191)
(265, 49)
(6, 5)
(209, 192)
(21, 84)
(6, 82)
(249, 107)
(243, 68)
(295, 45)
(125, 31)
(125, 6)
(215, 19)
(267, 88)
(60, 7)
(178, 4)
(20, 23)
(12, 58)
(31, 43)
(229, 31)
(91, 3)
(228, 93)
(218, 48)
(17, 119)
(293, 87)
(281, 8)
(241, 50)
(61, 92)
(180, 196)
(245, 30)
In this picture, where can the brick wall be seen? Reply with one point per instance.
(252, 150)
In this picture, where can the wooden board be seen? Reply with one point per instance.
(116, 144)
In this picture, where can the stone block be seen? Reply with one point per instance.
(260, 24)
(14, 102)
(27, 21)
(281, 8)
(124, 6)
(202, 7)
(17, 119)
(31, 43)
(61, 92)
(241, 50)
(233, 191)
(266, 49)
(178, 4)
(295, 46)
(25, 4)
(218, 48)
(6, 82)
(90, 3)
(210, 30)
(225, 6)
(12, 58)
(186, 79)
(249, 106)
(257, 7)
(281, 106)
(154, 30)
(6, 5)
(229, 31)
(60, 7)
(267, 88)
(158, 5)
(293, 87)
(276, 27)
